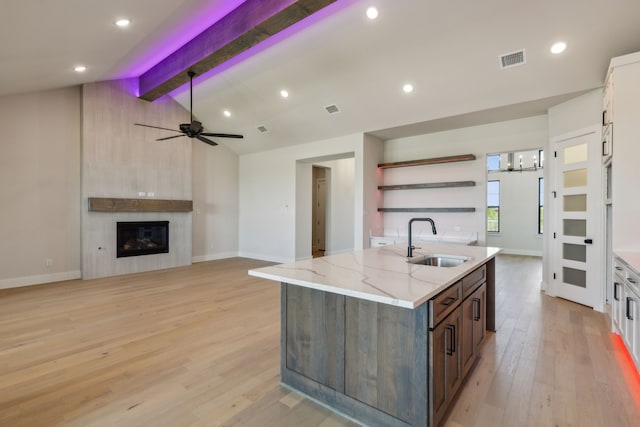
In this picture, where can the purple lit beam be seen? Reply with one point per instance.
(246, 26)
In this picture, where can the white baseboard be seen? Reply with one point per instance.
(507, 251)
(339, 251)
(18, 282)
(214, 257)
(263, 257)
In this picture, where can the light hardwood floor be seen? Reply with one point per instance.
(199, 346)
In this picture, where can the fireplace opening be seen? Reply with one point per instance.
(142, 238)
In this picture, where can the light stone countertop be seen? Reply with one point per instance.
(380, 274)
(631, 258)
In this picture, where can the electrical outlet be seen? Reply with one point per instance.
(48, 262)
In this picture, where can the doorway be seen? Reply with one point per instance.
(320, 176)
(578, 239)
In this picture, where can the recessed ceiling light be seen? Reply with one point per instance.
(558, 47)
(227, 113)
(284, 93)
(372, 13)
(407, 88)
(123, 22)
(80, 68)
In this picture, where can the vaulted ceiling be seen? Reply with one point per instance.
(447, 50)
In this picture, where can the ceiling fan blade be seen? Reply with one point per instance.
(156, 127)
(169, 137)
(222, 135)
(206, 140)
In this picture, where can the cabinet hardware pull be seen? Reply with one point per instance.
(618, 268)
(476, 317)
(452, 340)
(631, 280)
(615, 291)
(604, 144)
(604, 120)
(588, 241)
(447, 302)
(629, 316)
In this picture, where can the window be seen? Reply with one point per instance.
(493, 206)
(493, 162)
(540, 205)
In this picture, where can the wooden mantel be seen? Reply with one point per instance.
(111, 204)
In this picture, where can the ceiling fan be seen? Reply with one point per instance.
(193, 129)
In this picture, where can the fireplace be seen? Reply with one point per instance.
(142, 238)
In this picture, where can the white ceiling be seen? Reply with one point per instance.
(447, 49)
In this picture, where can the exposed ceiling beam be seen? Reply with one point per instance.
(246, 26)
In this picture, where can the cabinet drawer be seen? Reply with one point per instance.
(472, 280)
(444, 303)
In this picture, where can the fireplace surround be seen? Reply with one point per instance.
(136, 238)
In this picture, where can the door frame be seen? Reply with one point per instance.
(555, 204)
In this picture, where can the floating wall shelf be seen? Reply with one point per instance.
(432, 161)
(428, 185)
(110, 204)
(432, 210)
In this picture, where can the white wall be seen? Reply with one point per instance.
(518, 208)
(39, 187)
(577, 113)
(215, 202)
(270, 196)
(511, 135)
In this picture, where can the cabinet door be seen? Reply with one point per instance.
(631, 320)
(479, 299)
(617, 304)
(446, 362)
(467, 338)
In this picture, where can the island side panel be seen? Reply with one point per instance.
(386, 358)
(312, 334)
(491, 295)
(336, 399)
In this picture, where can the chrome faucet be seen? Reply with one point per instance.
(433, 229)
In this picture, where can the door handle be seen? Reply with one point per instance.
(588, 241)
(628, 314)
(615, 291)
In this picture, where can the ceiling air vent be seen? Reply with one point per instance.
(332, 109)
(262, 129)
(512, 59)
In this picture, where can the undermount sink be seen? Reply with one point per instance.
(440, 260)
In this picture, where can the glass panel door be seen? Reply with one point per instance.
(578, 179)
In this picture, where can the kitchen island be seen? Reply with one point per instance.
(379, 339)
